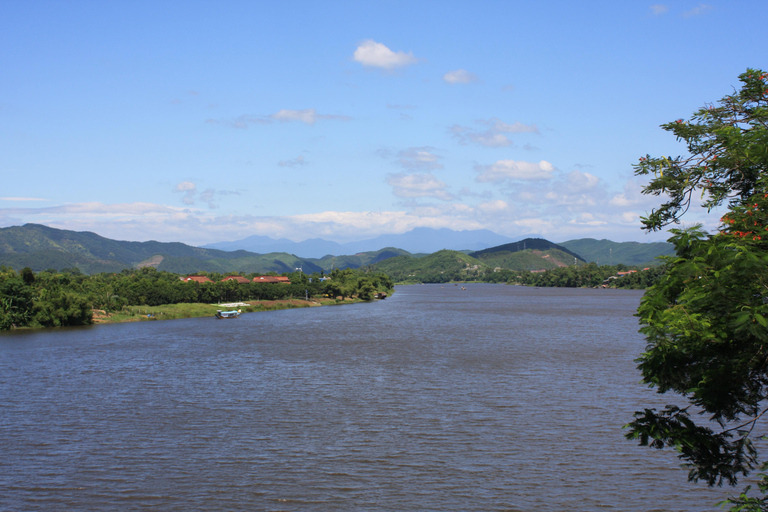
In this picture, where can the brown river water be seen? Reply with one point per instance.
(493, 398)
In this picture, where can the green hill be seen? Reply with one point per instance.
(362, 259)
(439, 267)
(528, 254)
(529, 259)
(606, 252)
(41, 247)
(444, 266)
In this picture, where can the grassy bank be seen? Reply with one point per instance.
(175, 311)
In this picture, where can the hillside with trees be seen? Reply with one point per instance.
(439, 267)
(528, 254)
(43, 248)
(606, 252)
(358, 260)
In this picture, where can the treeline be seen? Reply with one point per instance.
(52, 298)
(583, 276)
(591, 276)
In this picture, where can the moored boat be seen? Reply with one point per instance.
(227, 314)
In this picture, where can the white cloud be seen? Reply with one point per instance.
(460, 76)
(188, 189)
(241, 122)
(373, 54)
(630, 217)
(581, 181)
(95, 210)
(632, 197)
(308, 116)
(493, 136)
(566, 193)
(697, 11)
(493, 206)
(491, 140)
(658, 9)
(185, 186)
(207, 197)
(419, 159)
(360, 225)
(504, 170)
(517, 127)
(587, 219)
(535, 225)
(467, 192)
(298, 161)
(410, 185)
(511, 216)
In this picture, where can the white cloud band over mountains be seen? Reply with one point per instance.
(347, 121)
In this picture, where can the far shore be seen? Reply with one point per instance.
(194, 310)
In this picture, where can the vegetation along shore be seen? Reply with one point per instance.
(66, 298)
(142, 284)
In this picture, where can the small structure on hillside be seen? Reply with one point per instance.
(272, 279)
(196, 279)
(239, 279)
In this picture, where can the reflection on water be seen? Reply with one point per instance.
(489, 398)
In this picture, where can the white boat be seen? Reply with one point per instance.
(227, 314)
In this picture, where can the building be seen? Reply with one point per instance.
(272, 279)
(239, 279)
(196, 279)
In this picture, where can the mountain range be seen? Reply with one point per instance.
(41, 247)
(606, 252)
(416, 241)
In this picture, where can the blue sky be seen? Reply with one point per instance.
(208, 121)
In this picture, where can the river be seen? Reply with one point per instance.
(492, 398)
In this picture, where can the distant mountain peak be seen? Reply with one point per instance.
(417, 240)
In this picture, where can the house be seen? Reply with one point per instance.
(196, 279)
(272, 279)
(239, 279)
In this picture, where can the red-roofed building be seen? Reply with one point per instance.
(239, 279)
(196, 279)
(272, 279)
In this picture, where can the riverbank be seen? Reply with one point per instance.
(187, 310)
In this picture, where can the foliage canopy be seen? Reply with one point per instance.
(706, 320)
(728, 154)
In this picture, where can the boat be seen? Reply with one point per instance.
(227, 314)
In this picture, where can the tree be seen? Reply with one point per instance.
(27, 276)
(365, 289)
(63, 308)
(706, 320)
(16, 303)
